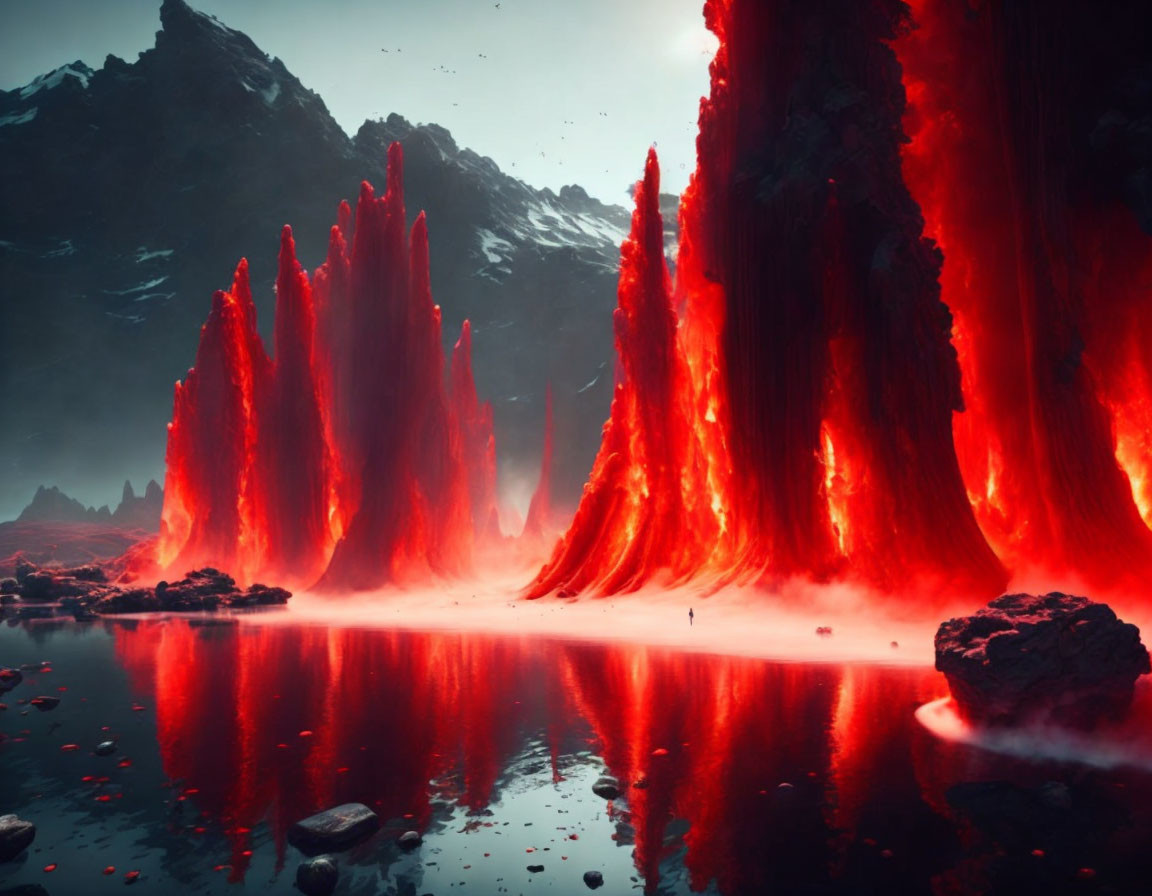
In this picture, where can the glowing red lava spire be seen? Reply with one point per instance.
(1047, 273)
(797, 419)
(635, 518)
(343, 455)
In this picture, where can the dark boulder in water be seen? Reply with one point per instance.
(606, 787)
(9, 678)
(1052, 658)
(334, 829)
(318, 876)
(16, 835)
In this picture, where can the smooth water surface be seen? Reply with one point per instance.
(744, 776)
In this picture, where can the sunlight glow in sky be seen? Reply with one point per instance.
(555, 92)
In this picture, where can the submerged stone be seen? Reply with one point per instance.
(16, 835)
(318, 876)
(607, 787)
(334, 829)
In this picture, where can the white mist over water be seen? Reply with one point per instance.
(1126, 744)
(735, 621)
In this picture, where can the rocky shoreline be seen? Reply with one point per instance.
(84, 592)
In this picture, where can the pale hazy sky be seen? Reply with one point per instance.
(569, 91)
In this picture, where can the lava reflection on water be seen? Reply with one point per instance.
(738, 775)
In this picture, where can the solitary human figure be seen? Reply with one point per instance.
(691, 616)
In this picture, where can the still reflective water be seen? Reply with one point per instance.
(227, 734)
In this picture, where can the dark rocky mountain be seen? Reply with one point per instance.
(130, 193)
(50, 505)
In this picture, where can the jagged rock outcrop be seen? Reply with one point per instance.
(51, 505)
(85, 592)
(1051, 658)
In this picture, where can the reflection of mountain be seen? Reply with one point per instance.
(129, 194)
(417, 724)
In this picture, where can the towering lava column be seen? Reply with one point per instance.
(409, 512)
(292, 468)
(645, 510)
(343, 455)
(798, 419)
(1020, 115)
(839, 375)
(208, 514)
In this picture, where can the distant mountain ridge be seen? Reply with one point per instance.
(50, 505)
(130, 192)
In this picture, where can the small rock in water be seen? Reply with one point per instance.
(106, 748)
(606, 787)
(44, 704)
(535, 869)
(593, 879)
(410, 840)
(9, 678)
(16, 835)
(334, 829)
(318, 876)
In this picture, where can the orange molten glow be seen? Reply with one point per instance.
(1048, 280)
(785, 408)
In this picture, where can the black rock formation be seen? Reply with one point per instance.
(1052, 658)
(84, 591)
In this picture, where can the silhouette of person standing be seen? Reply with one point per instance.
(691, 615)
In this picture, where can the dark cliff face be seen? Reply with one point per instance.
(129, 194)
